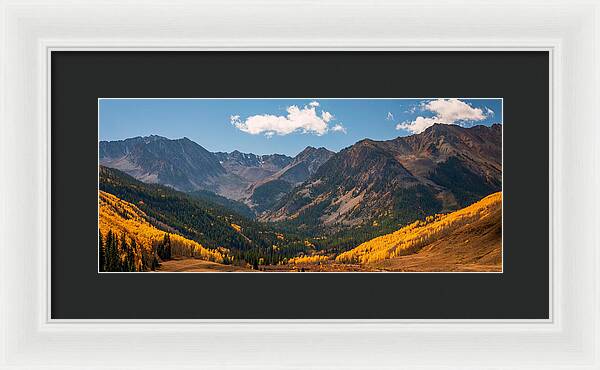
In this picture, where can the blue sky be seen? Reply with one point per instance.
(286, 126)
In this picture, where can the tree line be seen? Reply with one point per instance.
(118, 253)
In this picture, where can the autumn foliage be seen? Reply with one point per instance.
(127, 221)
(415, 236)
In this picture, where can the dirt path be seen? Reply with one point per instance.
(196, 265)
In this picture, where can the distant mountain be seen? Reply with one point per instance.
(266, 192)
(181, 163)
(252, 167)
(304, 165)
(186, 166)
(397, 181)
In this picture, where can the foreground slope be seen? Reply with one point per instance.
(469, 240)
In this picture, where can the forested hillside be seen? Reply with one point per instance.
(412, 238)
(208, 224)
(229, 204)
(129, 242)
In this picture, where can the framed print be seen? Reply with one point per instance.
(271, 187)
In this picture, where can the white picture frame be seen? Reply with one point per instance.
(569, 30)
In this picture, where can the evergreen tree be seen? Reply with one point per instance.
(167, 246)
(131, 265)
(124, 248)
(111, 252)
(101, 253)
(164, 248)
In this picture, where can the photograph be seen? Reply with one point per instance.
(331, 185)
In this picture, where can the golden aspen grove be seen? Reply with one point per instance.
(418, 234)
(125, 220)
(121, 217)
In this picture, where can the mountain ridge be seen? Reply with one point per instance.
(180, 163)
(441, 169)
(187, 166)
(402, 179)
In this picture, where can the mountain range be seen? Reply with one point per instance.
(442, 169)
(186, 166)
(426, 202)
(371, 183)
(181, 164)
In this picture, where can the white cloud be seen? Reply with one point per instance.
(390, 116)
(305, 120)
(446, 111)
(339, 128)
(417, 126)
(489, 112)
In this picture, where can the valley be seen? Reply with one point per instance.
(427, 202)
